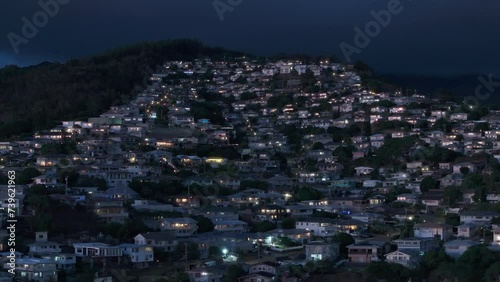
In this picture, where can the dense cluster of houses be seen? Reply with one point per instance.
(107, 149)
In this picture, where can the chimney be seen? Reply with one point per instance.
(41, 236)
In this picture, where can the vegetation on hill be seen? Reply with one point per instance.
(38, 97)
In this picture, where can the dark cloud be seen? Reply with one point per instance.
(441, 36)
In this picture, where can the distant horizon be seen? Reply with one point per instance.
(6, 60)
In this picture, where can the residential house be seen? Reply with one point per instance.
(322, 227)
(419, 244)
(456, 248)
(266, 266)
(432, 230)
(42, 246)
(478, 217)
(65, 262)
(165, 240)
(301, 236)
(257, 277)
(230, 226)
(205, 274)
(363, 170)
(406, 257)
(366, 252)
(319, 250)
(407, 198)
(109, 210)
(35, 269)
(139, 255)
(467, 230)
(183, 226)
(97, 250)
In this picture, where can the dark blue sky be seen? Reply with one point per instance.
(431, 37)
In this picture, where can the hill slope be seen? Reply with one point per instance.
(41, 96)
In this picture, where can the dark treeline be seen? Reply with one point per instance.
(39, 97)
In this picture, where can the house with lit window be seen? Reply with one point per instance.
(183, 226)
(272, 213)
(35, 269)
(164, 240)
(139, 255)
(108, 210)
(66, 262)
(205, 274)
(320, 250)
(322, 227)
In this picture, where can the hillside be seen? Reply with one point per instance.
(39, 97)
(458, 86)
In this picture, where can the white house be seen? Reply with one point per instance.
(139, 255)
(478, 217)
(322, 227)
(165, 240)
(456, 248)
(99, 250)
(406, 257)
(363, 170)
(430, 230)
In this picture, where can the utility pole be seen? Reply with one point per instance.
(186, 254)
(66, 190)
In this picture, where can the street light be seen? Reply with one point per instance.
(224, 252)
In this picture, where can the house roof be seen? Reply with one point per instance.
(458, 242)
(157, 236)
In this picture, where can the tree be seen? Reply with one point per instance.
(389, 272)
(427, 184)
(233, 272)
(493, 272)
(26, 175)
(318, 146)
(288, 223)
(192, 250)
(452, 194)
(452, 219)
(448, 271)
(479, 258)
(204, 224)
(344, 240)
(464, 170)
(433, 259)
(263, 226)
(307, 193)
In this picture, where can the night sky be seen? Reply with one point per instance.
(426, 37)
